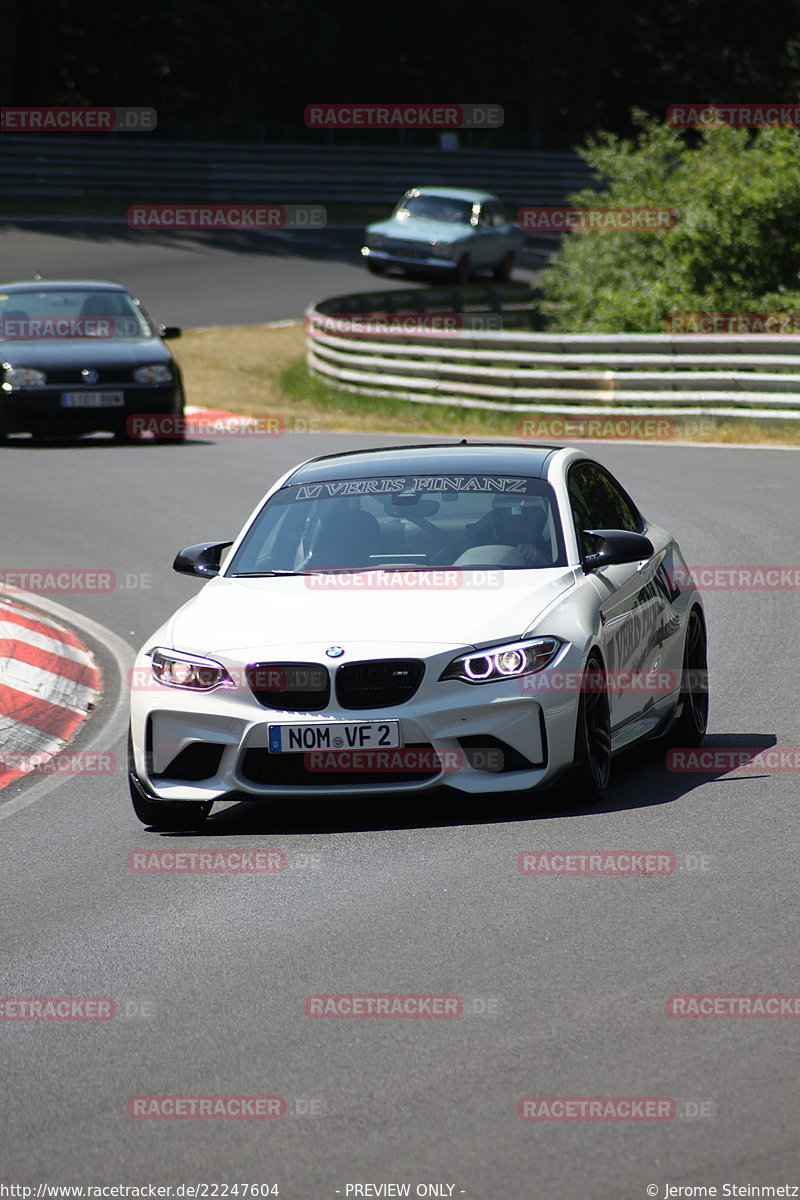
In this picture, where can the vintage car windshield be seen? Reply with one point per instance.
(436, 208)
(70, 313)
(404, 522)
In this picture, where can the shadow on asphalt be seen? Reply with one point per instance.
(94, 441)
(332, 243)
(639, 780)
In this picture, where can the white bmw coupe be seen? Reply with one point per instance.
(486, 616)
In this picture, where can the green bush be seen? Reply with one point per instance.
(735, 246)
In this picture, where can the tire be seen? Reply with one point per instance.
(691, 725)
(163, 814)
(592, 769)
(503, 270)
(464, 269)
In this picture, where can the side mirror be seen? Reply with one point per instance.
(169, 331)
(616, 546)
(203, 560)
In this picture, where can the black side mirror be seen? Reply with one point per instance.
(169, 331)
(203, 560)
(616, 546)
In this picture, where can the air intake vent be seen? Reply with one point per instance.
(379, 684)
(293, 687)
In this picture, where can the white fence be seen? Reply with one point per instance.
(442, 360)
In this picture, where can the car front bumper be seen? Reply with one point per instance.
(40, 410)
(392, 258)
(494, 737)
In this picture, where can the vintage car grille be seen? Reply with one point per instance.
(379, 684)
(260, 767)
(199, 760)
(402, 249)
(294, 687)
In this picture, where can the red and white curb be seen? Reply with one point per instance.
(49, 683)
(205, 416)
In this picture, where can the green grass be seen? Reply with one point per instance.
(270, 378)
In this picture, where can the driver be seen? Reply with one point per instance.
(522, 527)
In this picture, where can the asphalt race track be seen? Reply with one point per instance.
(564, 980)
(195, 279)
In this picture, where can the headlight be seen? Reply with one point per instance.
(156, 373)
(14, 377)
(375, 241)
(441, 249)
(503, 662)
(188, 670)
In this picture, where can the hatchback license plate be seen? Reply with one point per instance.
(333, 735)
(92, 399)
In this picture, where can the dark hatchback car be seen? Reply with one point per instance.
(82, 356)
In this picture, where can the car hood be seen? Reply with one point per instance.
(247, 617)
(422, 230)
(83, 352)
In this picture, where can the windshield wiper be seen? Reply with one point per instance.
(261, 574)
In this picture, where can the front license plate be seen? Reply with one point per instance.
(333, 735)
(92, 399)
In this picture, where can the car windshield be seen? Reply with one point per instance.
(436, 208)
(70, 313)
(404, 522)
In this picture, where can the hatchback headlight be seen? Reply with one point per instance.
(503, 662)
(155, 373)
(14, 377)
(188, 670)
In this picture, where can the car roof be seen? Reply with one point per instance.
(444, 458)
(453, 193)
(55, 285)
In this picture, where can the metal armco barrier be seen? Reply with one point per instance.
(714, 374)
(140, 167)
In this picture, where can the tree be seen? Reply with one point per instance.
(734, 248)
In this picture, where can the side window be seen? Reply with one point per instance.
(599, 503)
(486, 216)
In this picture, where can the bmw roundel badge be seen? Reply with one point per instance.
(334, 652)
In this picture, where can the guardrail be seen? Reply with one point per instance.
(513, 370)
(130, 166)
